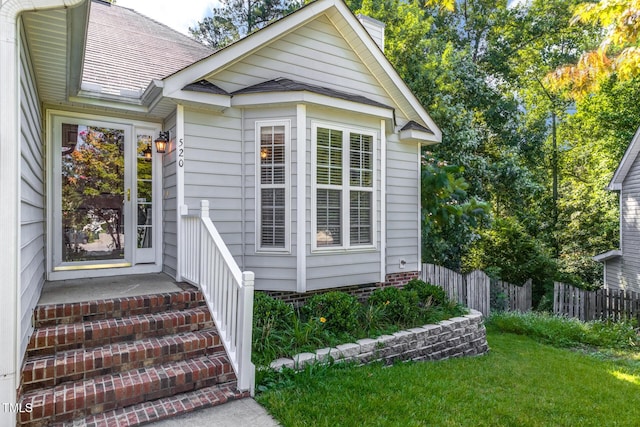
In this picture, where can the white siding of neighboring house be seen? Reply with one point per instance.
(613, 274)
(314, 54)
(630, 228)
(32, 201)
(169, 204)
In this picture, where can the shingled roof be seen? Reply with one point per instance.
(287, 85)
(126, 50)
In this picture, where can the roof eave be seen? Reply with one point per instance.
(419, 136)
(629, 157)
(606, 256)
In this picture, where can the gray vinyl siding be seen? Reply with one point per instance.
(32, 201)
(613, 273)
(273, 270)
(315, 54)
(403, 188)
(213, 169)
(630, 229)
(348, 267)
(169, 205)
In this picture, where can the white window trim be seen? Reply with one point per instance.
(287, 186)
(346, 188)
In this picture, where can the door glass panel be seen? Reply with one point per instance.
(93, 191)
(145, 192)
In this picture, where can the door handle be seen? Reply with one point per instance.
(128, 194)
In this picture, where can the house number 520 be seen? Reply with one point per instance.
(181, 153)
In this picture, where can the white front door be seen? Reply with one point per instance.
(105, 193)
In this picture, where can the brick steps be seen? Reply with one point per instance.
(160, 409)
(124, 361)
(49, 340)
(81, 364)
(57, 314)
(83, 398)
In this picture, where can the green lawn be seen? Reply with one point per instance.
(519, 383)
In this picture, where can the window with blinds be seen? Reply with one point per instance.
(273, 179)
(344, 178)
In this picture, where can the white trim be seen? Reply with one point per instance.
(58, 270)
(606, 256)
(301, 196)
(383, 201)
(626, 163)
(209, 100)
(345, 188)
(419, 254)
(181, 208)
(276, 98)
(414, 135)
(287, 185)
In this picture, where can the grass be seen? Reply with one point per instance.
(521, 382)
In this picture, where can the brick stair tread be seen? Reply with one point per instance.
(96, 395)
(63, 337)
(67, 313)
(77, 364)
(161, 409)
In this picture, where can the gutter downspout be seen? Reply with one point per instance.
(10, 361)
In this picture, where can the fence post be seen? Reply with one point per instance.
(246, 368)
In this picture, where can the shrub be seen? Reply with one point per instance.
(426, 290)
(271, 310)
(338, 311)
(400, 306)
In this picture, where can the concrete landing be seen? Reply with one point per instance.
(78, 290)
(238, 413)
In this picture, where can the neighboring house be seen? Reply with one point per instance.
(302, 137)
(622, 265)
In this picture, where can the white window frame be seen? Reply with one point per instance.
(287, 186)
(346, 189)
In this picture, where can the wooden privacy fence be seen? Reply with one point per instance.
(474, 289)
(615, 304)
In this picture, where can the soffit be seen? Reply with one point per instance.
(47, 41)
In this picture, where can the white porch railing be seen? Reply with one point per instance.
(207, 263)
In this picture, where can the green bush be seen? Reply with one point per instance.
(338, 311)
(400, 306)
(427, 291)
(271, 310)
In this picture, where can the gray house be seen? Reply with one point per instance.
(622, 265)
(127, 147)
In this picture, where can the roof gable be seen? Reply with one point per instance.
(368, 73)
(626, 163)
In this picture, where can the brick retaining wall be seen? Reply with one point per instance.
(362, 292)
(456, 337)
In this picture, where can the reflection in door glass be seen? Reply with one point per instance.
(145, 191)
(92, 193)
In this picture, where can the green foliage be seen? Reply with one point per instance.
(427, 293)
(509, 253)
(271, 319)
(400, 306)
(568, 332)
(267, 309)
(339, 311)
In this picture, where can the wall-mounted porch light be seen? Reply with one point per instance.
(161, 142)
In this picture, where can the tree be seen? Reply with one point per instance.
(237, 18)
(618, 51)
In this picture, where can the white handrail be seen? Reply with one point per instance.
(228, 291)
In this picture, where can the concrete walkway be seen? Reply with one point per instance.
(238, 413)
